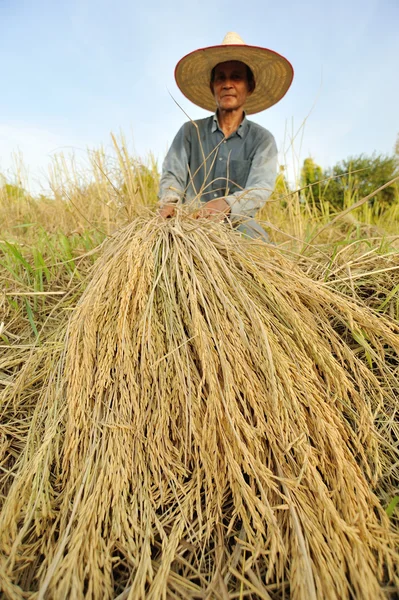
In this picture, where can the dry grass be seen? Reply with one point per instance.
(366, 269)
(94, 196)
(204, 429)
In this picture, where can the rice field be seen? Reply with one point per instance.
(102, 378)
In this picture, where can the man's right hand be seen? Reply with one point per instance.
(166, 211)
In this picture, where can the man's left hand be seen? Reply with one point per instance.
(214, 209)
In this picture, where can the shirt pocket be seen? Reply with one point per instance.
(238, 171)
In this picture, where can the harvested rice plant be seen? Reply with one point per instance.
(186, 413)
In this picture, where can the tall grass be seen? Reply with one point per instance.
(100, 195)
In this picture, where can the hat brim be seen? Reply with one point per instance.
(273, 74)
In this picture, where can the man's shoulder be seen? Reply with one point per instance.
(258, 130)
(201, 123)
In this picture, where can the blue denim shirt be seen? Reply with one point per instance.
(202, 164)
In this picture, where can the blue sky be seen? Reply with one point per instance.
(72, 72)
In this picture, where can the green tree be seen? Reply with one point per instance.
(357, 177)
(311, 181)
(351, 180)
(310, 173)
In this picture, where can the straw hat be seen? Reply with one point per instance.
(273, 73)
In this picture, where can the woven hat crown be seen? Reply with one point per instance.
(232, 38)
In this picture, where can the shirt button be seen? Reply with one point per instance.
(220, 158)
(224, 142)
(215, 195)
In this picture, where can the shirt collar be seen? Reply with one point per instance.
(242, 128)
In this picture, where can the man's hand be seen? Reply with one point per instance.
(167, 210)
(214, 209)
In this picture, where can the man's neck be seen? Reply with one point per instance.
(230, 120)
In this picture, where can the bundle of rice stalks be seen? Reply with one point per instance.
(206, 433)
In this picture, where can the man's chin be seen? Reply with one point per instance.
(228, 106)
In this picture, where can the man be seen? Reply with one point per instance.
(225, 164)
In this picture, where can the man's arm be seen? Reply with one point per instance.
(260, 182)
(174, 169)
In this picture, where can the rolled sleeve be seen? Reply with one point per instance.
(260, 182)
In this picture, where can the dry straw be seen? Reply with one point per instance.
(208, 432)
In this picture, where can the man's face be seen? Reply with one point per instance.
(230, 86)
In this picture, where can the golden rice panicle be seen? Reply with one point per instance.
(209, 433)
